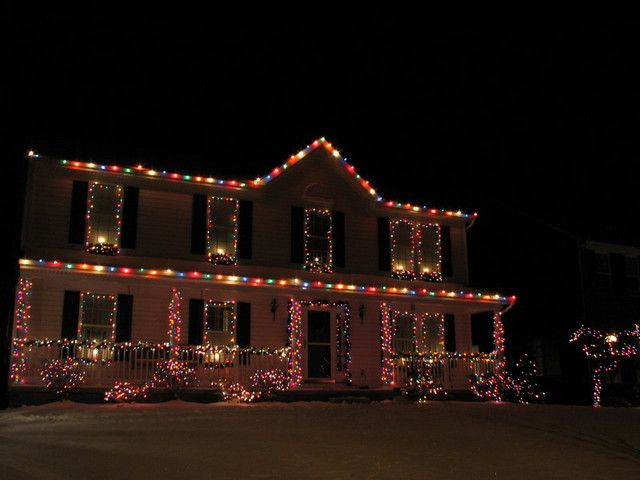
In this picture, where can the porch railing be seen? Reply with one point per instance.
(105, 363)
(451, 372)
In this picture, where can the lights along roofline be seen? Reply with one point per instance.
(259, 281)
(141, 171)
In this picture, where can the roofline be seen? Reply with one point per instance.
(260, 182)
(291, 283)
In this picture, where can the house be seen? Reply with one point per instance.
(306, 269)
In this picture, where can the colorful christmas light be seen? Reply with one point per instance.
(22, 317)
(99, 245)
(217, 256)
(174, 375)
(295, 283)
(62, 376)
(175, 317)
(387, 331)
(311, 263)
(606, 349)
(295, 340)
(261, 181)
(126, 392)
(412, 270)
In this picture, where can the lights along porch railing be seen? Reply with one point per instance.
(452, 371)
(104, 363)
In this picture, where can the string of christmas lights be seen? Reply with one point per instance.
(126, 392)
(415, 265)
(62, 376)
(387, 331)
(101, 244)
(313, 260)
(218, 255)
(84, 315)
(606, 349)
(259, 281)
(175, 317)
(261, 181)
(22, 316)
(295, 331)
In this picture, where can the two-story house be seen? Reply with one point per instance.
(307, 268)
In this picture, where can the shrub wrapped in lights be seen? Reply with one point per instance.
(174, 375)
(517, 386)
(422, 387)
(125, 392)
(62, 376)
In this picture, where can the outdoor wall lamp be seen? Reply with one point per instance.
(361, 311)
(274, 307)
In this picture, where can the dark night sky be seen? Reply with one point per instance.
(501, 115)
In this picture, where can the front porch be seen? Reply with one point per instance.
(104, 363)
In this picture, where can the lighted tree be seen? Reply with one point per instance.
(174, 375)
(62, 376)
(518, 385)
(606, 349)
(421, 385)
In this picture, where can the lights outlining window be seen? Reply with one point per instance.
(416, 251)
(318, 248)
(220, 323)
(104, 218)
(222, 230)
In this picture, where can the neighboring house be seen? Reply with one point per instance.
(306, 269)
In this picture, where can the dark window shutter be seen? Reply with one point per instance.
(70, 315)
(297, 235)
(245, 229)
(78, 214)
(384, 245)
(129, 217)
(338, 238)
(243, 324)
(124, 315)
(482, 331)
(199, 225)
(196, 321)
(617, 273)
(445, 249)
(449, 333)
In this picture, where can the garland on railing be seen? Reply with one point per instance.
(22, 317)
(412, 357)
(144, 346)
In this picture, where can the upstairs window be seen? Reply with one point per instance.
(97, 317)
(104, 218)
(220, 319)
(416, 251)
(222, 230)
(318, 248)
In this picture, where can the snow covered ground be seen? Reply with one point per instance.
(392, 439)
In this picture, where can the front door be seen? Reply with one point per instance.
(319, 344)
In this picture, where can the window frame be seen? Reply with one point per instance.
(231, 325)
(104, 248)
(416, 256)
(312, 264)
(222, 258)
